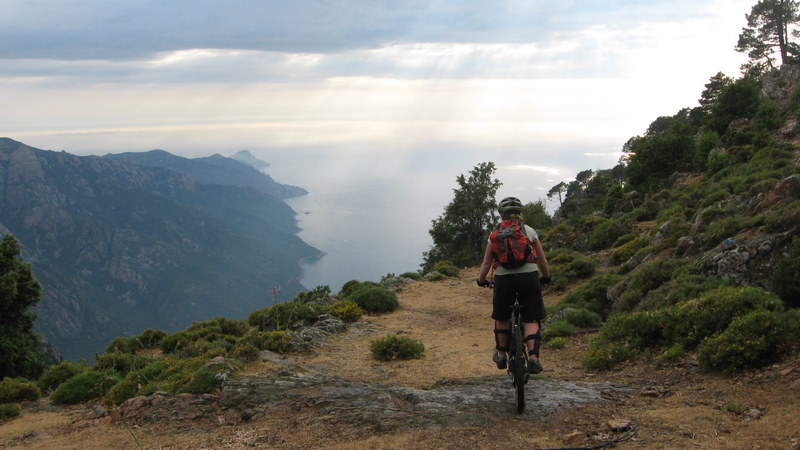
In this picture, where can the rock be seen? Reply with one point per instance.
(619, 425)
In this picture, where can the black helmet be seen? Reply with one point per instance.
(509, 205)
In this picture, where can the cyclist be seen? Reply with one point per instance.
(525, 282)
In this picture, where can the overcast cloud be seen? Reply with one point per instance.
(570, 79)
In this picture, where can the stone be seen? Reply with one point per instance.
(618, 425)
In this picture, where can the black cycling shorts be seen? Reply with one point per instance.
(506, 287)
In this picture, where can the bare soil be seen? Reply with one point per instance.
(670, 407)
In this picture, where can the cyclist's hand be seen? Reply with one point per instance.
(484, 283)
(544, 280)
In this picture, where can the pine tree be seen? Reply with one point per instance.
(20, 347)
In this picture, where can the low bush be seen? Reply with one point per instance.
(17, 390)
(559, 328)
(83, 387)
(445, 267)
(141, 382)
(606, 233)
(350, 287)
(413, 275)
(151, 338)
(121, 363)
(785, 276)
(647, 277)
(555, 343)
(375, 299)
(346, 310)
(292, 315)
(605, 356)
(624, 239)
(592, 295)
(319, 294)
(682, 288)
(123, 345)
(200, 335)
(246, 352)
(753, 340)
(8, 411)
(583, 318)
(59, 373)
(274, 341)
(671, 355)
(394, 347)
(567, 266)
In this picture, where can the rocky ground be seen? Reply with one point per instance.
(337, 396)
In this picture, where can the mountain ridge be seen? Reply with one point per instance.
(122, 246)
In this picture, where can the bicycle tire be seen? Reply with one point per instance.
(520, 371)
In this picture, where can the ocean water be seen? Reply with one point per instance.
(370, 211)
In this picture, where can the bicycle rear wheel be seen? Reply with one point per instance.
(520, 371)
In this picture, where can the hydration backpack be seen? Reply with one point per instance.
(510, 244)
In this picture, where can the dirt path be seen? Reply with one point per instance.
(675, 407)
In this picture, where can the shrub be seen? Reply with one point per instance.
(568, 265)
(83, 387)
(753, 340)
(274, 341)
(435, 276)
(413, 275)
(627, 250)
(785, 277)
(57, 374)
(292, 315)
(592, 295)
(245, 352)
(123, 345)
(583, 318)
(624, 239)
(556, 343)
(121, 363)
(445, 267)
(394, 347)
(318, 294)
(345, 309)
(645, 278)
(205, 380)
(604, 357)
(559, 328)
(671, 355)
(141, 382)
(375, 299)
(151, 338)
(200, 335)
(8, 411)
(682, 288)
(606, 233)
(17, 390)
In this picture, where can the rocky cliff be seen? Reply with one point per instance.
(121, 246)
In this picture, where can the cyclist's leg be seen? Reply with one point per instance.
(533, 313)
(501, 313)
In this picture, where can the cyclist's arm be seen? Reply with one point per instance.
(541, 259)
(488, 259)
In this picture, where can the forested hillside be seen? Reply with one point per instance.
(121, 244)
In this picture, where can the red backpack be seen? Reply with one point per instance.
(511, 246)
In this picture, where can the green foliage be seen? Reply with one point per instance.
(535, 215)
(144, 381)
(785, 277)
(446, 268)
(459, 235)
(733, 407)
(416, 276)
(17, 390)
(392, 347)
(292, 315)
(555, 343)
(317, 295)
(645, 278)
(59, 373)
(435, 276)
(606, 233)
(245, 352)
(671, 355)
(20, 352)
(83, 387)
(274, 341)
(559, 328)
(346, 310)
(376, 299)
(753, 340)
(201, 337)
(681, 288)
(768, 26)
(150, 338)
(625, 251)
(121, 363)
(8, 411)
(568, 265)
(583, 318)
(687, 323)
(592, 295)
(123, 345)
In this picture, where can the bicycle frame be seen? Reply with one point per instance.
(517, 358)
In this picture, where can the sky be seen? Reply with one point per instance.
(544, 88)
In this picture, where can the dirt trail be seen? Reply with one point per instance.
(674, 407)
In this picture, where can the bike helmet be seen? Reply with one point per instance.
(509, 205)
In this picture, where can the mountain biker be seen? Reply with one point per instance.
(508, 283)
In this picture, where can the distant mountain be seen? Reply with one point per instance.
(122, 243)
(215, 169)
(248, 158)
